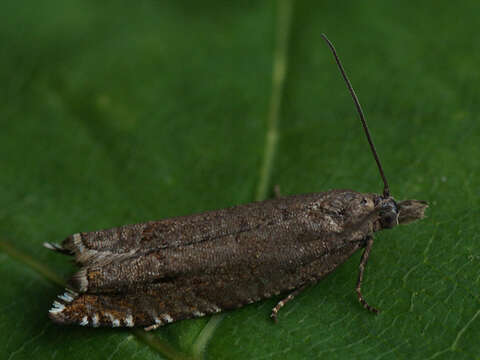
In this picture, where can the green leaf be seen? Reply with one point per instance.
(121, 113)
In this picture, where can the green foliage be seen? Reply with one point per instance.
(114, 113)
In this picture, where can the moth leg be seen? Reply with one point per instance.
(361, 267)
(282, 303)
(152, 327)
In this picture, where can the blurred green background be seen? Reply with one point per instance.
(121, 112)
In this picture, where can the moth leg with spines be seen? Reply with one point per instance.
(363, 262)
(361, 269)
(281, 303)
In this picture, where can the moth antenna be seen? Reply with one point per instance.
(386, 188)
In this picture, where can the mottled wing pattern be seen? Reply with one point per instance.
(158, 272)
(187, 297)
(186, 230)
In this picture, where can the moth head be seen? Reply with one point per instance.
(388, 211)
(393, 213)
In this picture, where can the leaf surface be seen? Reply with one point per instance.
(121, 113)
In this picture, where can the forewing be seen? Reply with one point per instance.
(270, 252)
(184, 230)
(98, 246)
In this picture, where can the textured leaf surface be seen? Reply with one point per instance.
(119, 113)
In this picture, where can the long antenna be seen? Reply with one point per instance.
(386, 188)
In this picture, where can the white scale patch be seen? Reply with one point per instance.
(77, 241)
(95, 320)
(129, 321)
(115, 322)
(167, 318)
(56, 308)
(52, 246)
(81, 276)
(198, 313)
(67, 297)
(84, 321)
(216, 309)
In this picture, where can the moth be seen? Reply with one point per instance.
(158, 272)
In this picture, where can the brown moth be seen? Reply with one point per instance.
(158, 272)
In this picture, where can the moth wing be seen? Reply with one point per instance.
(95, 246)
(263, 255)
